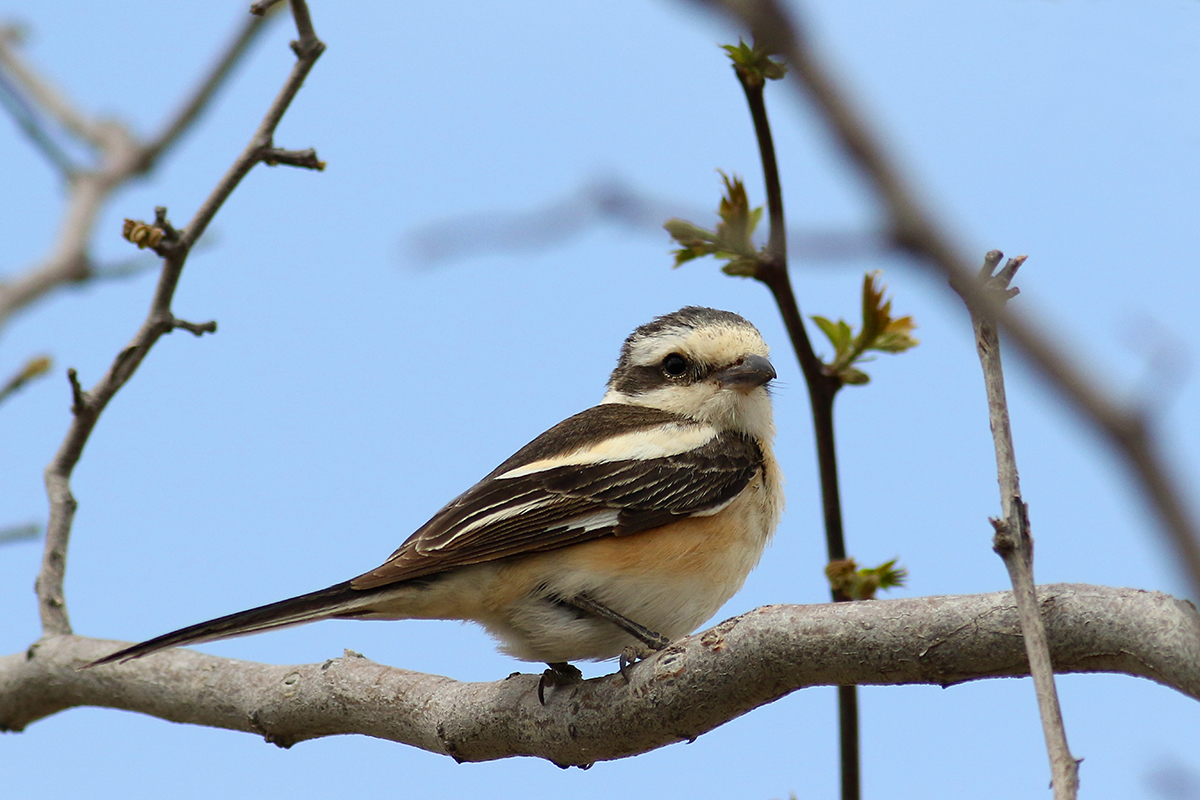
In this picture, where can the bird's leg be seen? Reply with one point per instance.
(652, 639)
(563, 674)
(560, 674)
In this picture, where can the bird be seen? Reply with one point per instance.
(617, 531)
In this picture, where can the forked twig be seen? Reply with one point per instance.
(1013, 541)
(174, 247)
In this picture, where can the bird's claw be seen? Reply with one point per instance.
(560, 673)
(629, 656)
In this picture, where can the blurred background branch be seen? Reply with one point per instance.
(117, 156)
(608, 201)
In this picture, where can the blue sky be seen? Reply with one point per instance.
(354, 387)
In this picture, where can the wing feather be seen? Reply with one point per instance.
(520, 509)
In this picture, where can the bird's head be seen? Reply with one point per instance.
(701, 363)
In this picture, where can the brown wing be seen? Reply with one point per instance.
(554, 507)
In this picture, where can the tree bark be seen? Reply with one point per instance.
(678, 694)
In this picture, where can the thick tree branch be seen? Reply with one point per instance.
(676, 695)
(121, 156)
(915, 228)
(174, 247)
(1013, 540)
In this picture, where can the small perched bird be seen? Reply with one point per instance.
(613, 533)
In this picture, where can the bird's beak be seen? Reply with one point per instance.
(750, 373)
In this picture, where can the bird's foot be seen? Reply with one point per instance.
(630, 656)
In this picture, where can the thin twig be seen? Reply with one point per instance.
(263, 6)
(1013, 541)
(304, 27)
(773, 271)
(916, 229)
(46, 96)
(87, 407)
(822, 386)
(20, 533)
(28, 121)
(609, 200)
(305, 159)
(205, 89)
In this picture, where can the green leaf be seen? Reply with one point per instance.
(741, 268)
(888, 574)
(830, 329)
(847, 580)
(896, 336)
(754, 63)
(874, 309)
(682, 230)
(755, 218)
(846, 334)
(730, 241)
(682, 256)
(738, 220)
(879, 333)
(854, 376)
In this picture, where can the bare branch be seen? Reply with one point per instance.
(305, 159)
(308, 49)
(174, 246)
(304, 26)
(121, 157)
(1013, 540)
(69, 261)
(263, 6)
(204, 91)
(44, 95)
(610, 200)
(917, 229)
(28, 121)
(196, 328)
(676, 695)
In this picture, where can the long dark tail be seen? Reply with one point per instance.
(324, 604)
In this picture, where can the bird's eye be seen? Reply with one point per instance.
(675, 365)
